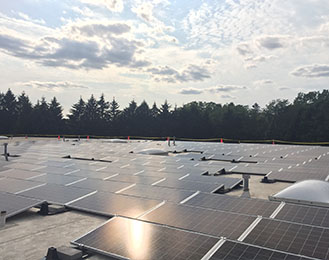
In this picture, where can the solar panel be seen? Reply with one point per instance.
(134, 239)
(189, 185)
(306, 215)
(231, 250)
(291, 237)
(110, 204)
(16, 185)
(206, 221)
(158, 193)
(89, 174)
(19, 174)
(52, 169)
(57, 194)
(23, 166)
(135, 179)
(234, 204)
(15, 204)
(101, 185)
(56, 179)
(228, 182)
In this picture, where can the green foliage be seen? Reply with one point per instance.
(306, 119)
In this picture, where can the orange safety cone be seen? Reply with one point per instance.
(128, 138)
(87, 137)
(273, 142)
(58, 137)
(221, 140)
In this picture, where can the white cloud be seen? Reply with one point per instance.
(312, 71)
(190, 73)
(212, 90)
(263, 82)
(112, 5)
(273, 42)
(57, 86)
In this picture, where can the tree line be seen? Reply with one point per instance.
(305, 119)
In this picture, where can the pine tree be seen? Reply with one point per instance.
(24, 111)
(103, 108)
(55, 117)
(114, 110)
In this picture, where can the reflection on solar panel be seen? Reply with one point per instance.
(231, 250)
(56, 179)
(23, 166)
(15, 204)
(57, 194)
(159, 193)
(229, 183)
(290, 237)
(306, 215)
(207, 221)
(234, 204)
(133, 239)
(190, 185)
(299, 174)
(135, 179)
(101, 185)
(18, 174)
(16, 185)
(110, 204)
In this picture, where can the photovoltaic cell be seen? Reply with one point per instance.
(15, 204)
(306, 215)
(190, 185)
(19, 174)
(234, 204)
(57, 194)
(110, 204)
(56, 179)
(290, 237)
(158, 193)
(233, 250)
(207, 221)
(228, 182)
(101, 185)
(16, 185)
(134, 239)
(135, 179)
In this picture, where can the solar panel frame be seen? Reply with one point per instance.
(291, 237)
(111, 204)
(16, 185)
(231, 250)
(256, 207)
(158, 193)
(205, 221)
(15, 204)
(57, 194)
(311, 215)
(154, 239)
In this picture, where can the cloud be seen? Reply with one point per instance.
(244, 49)
(312, 71)
(272, 42)
(112, 5)
(52, 85)
(213, 90)
(191, 91)
(170, 75)
(75, 54)
(101, 30)
(252, 62)
(263, 82)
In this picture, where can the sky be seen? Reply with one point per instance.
(222, 51)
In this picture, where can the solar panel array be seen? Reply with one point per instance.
(167, 205)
